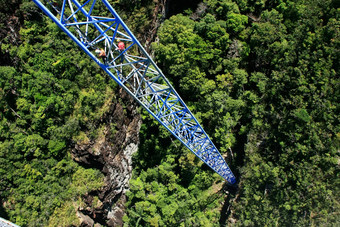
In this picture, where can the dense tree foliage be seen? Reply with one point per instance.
(262, 78)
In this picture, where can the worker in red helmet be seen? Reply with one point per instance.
(121, 45)
(120, 48)
(101, 53)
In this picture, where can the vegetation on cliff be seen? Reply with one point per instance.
(261, 76)
(52, 97)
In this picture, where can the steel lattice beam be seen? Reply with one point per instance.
(95, 24)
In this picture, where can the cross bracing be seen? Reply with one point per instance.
(94, 24)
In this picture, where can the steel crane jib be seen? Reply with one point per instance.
(96, 27)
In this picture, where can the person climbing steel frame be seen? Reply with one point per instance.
(121, 48)
(101, 53)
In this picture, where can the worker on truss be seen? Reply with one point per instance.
(120, 48)
(101, 53)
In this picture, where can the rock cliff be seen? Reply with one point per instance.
(112, 154)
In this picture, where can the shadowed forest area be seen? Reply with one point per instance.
(260, 76)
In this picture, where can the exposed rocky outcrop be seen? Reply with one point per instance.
(111, 153)
(9, 28)
(161, 7)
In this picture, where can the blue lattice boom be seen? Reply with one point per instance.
(95, 24)
(5, 223)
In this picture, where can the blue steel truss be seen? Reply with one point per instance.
(95, 24)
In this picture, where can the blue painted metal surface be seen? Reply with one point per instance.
(95, 24)
(5, 223)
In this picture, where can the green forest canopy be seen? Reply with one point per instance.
(261, 76)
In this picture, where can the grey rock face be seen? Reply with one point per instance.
(111, 153)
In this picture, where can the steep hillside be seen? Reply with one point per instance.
(67, 131)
